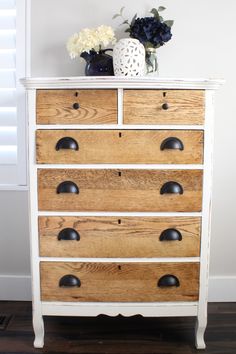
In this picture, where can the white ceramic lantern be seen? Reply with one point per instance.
(129, 58)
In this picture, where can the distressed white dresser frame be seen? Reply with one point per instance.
(198, 308)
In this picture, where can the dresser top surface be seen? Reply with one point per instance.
(121, 82)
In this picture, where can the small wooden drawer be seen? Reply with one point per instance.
(164, 106)
(119, 282)
(120, 146)
(76, 106)
(123, 237)
(119, 190)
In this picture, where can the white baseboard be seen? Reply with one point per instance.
(18, 288)
(15, 287)
(222, 289)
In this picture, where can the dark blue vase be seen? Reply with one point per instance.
(98, 63)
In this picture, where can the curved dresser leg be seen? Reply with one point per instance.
(38, 326)
(199, 333)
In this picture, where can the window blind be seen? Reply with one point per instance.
(14, 64)
(8, 104)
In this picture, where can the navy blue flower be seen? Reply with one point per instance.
(150, 30)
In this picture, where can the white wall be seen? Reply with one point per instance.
(14, 246)
(203, 45)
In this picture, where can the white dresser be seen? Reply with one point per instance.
(120, 197)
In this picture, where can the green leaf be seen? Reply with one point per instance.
(128, 30)
(133, 19)
(126, 22)
(155, 13)
(115, 16)
(161, 18)
(169, 23)
(121, 10)
(161, 8)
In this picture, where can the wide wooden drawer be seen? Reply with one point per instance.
(164, 106)
(119, 190)
(76, 106)
(123, 282)
(119, 237)
(119, 146)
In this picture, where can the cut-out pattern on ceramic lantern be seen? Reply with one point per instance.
(129, 58)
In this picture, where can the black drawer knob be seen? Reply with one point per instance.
(171, 235)
(67, 187)
(76, 105)
(168, 280)
(171, 188)
(69, 281)
(172, 144)
(67, 143)
(68, 234)
(165, 106)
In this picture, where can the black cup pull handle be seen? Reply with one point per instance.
(67, 187)
(69, 281)
(68, 234)
(168, 280)
(171, 188)
(67, 143)
(171, 235)
(172, 144)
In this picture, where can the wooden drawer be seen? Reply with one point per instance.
(164, 107)
(123, 146)
(76, 106)
(119, 190)
(123, 282)
(123, 237)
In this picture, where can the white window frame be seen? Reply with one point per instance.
(23, 69)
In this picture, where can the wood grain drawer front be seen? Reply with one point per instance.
(122, 282)
(124, 237)
(164, 107)
(119, 190)
(124, 146)
(76, 106)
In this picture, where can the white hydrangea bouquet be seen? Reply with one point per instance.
(90, 44)
(90, 39)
